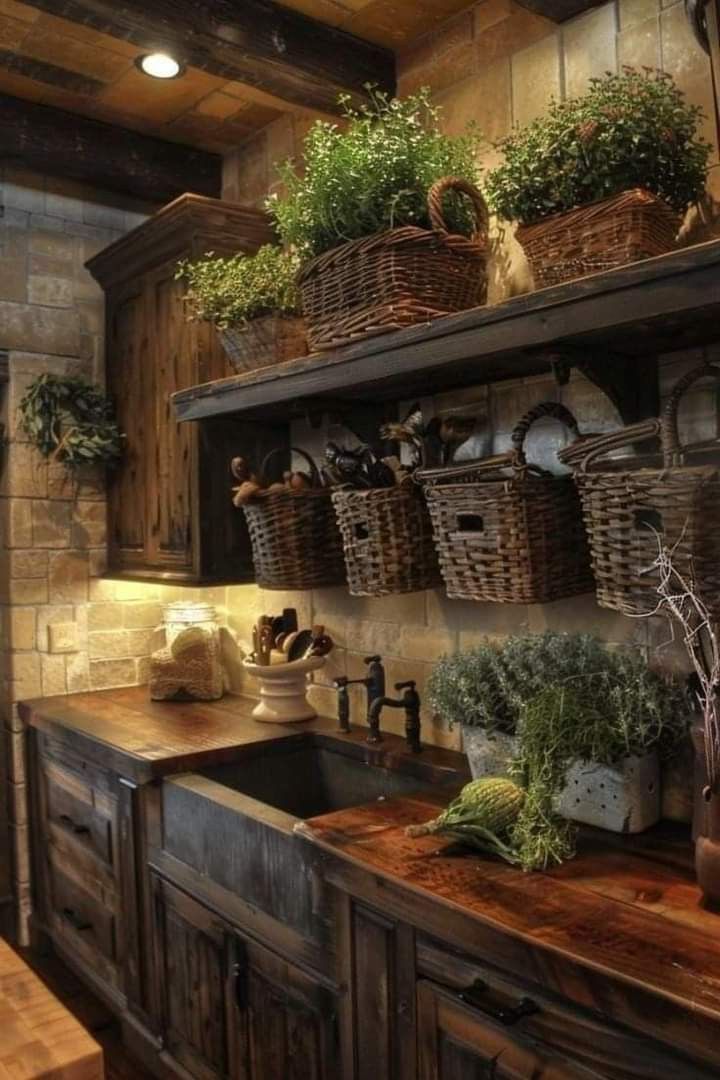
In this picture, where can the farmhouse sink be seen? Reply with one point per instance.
(314, 778)
(234, 824)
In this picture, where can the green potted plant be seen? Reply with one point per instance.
(584, 723)
(386, 218)
(252, 300)
(604, 178)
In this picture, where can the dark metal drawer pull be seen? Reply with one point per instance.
(504, 1014)
(76, 920)
(79, 830)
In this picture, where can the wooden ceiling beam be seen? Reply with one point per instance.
(63, 144)
(257, 42)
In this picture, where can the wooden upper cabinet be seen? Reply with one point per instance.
(169, 510)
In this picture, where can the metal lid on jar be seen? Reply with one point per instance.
(189, 611)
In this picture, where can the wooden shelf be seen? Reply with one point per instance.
(611, 326)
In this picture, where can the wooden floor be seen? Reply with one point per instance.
(83, 1004)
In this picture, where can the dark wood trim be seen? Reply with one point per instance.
(296, 58)
(634, 312)
(559, 10)
(63, 144)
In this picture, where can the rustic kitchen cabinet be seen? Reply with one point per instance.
(232, 1008)
(169, 513)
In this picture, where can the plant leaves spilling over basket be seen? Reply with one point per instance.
(631, 504)
(295, 539)
(398, 277)
(508, 531)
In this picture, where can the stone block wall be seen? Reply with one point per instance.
(56, 637)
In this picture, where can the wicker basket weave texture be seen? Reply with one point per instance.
(631, 506)
(265, 341)
(396, 278)
(506, 531)
(625, 228)
(296, 543)
(388, 541)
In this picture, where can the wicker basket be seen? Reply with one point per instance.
(632, 504)
(508, 531)
(261, 342)
(388, 541)
(625, 228)
(396, 278)
(295, 540)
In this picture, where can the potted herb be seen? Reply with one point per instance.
(386, 218)
(583, 724)
(602, 179)
(252, 301)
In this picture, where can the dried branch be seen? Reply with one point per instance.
(679, 600)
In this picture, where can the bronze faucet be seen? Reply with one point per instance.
(410, 702)
(374, 683)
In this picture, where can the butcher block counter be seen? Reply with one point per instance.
(400, 959)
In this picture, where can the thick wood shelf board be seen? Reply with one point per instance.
(658, 305)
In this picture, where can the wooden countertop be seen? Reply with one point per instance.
(38, 1036)
(141, 739)
(627, 908)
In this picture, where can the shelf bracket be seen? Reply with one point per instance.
(631, 383)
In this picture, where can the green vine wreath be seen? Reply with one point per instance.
(70, 420)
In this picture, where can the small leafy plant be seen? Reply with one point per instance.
(632, 129)
(230, 291)
(70, 420)
(492, 686)
(371, 174)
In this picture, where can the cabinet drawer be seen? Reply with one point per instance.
(583, 1039)
(80, 916)
(81, 813)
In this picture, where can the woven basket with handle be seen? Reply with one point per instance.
(295, 540)
(388, 541)
(398, 277)
(625, 228)
(632, 504)
(264, 341)
(508, 531)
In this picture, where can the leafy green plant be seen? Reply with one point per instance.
(372, 173)
(69, 419)
(632, 129)
(491, 686)
(229, 291)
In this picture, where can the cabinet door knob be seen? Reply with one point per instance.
(75, 920)
(78, 830)
(475, 996)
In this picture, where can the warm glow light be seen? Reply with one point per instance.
(159, 66)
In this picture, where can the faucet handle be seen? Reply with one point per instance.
(408, 685)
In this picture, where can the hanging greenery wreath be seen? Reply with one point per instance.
(70, 420)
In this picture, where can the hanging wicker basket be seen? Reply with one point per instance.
(295, 540)
(264, 341)
(387, 539)
(625, 228)
(507, 531)
(631, 505)
(398, 277)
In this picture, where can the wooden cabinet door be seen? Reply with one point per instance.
(285, 1022)
(458, 1042)
(172, 452)
(129, 381)
(192, 961)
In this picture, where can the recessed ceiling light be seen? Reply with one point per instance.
(160, 65)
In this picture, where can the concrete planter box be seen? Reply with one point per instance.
(488, 753)
(623, 798)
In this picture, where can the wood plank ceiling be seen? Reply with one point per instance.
(70, 64)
